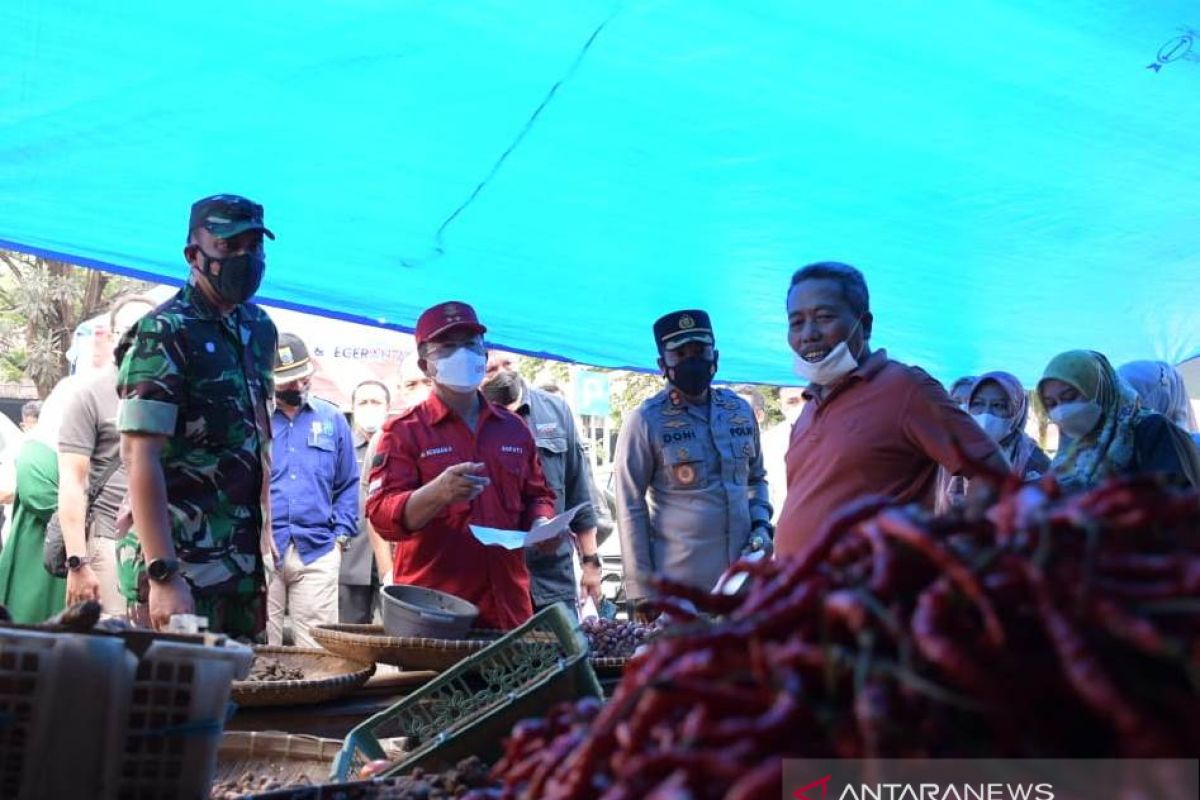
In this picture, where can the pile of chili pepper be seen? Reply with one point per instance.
(1052, 626)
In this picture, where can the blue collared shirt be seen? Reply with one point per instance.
(314, 480)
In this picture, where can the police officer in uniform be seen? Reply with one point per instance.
(691, 489)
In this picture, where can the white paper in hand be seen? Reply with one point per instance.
(515, 540)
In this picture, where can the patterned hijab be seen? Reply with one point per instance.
(1015, 443)
(1161, 389)
(1109, 448)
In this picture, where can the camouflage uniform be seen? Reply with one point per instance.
(204, 381)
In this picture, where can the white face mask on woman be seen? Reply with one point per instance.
(837, 363)
(1076, 419)
(463, 371)
(995, 427)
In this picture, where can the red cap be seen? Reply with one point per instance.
(443, 317)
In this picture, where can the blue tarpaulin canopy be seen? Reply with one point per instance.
(1014, 178)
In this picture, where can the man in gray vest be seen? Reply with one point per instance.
(552, 575)
(692, 493)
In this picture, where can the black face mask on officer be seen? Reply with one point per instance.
(692, 375)
(239, 276)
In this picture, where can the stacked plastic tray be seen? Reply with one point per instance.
(130, 716)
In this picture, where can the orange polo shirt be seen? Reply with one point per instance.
(883, 429)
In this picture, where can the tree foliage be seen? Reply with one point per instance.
(42, 301)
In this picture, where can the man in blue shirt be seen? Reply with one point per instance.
(314, 498)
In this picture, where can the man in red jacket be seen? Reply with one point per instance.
(452, 461)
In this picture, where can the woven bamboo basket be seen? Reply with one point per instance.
(327, 676)
(369, 643)
(609, 667)
(288, 758)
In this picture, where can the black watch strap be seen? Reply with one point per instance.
(162, 569)
(593, 559)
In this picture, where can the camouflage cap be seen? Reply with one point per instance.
(227, 215)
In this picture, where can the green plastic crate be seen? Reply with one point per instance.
(471, 708)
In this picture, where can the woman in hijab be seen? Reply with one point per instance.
(27, 590)
(952, 489)
(1000, 405)
(1110, 434)
(1160, 387)
(960, 390)
(998, 402)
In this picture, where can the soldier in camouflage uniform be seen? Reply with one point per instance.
(195, 382)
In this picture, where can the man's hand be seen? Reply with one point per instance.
(760, 542)
(82, 585)
(589, 582)
(462, 483)
(171, 597)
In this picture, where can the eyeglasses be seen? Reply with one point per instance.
(436, 350)
(998, 407)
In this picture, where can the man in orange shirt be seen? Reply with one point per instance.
(872, 425)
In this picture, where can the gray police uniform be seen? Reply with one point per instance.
(552, 575)
(690, 488)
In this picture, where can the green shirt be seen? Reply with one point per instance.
(204, 380)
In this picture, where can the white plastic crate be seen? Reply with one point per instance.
(62, 699)
(176, 715)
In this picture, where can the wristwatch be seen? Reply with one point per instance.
(161, 570)
(74, 563)
(593, 559)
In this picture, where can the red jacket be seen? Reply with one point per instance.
(415, 448)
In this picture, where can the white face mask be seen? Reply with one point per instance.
(836, 364)
(370, 418)
(462, 372)
(995, 427)
(1076, 419)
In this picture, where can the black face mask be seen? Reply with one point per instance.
(504, 389)
(292, 398)
(239, 277)
(692, 376)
